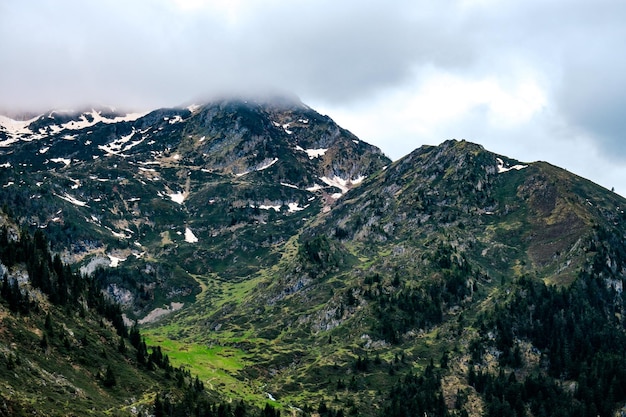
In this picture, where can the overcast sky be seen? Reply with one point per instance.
(530, 79)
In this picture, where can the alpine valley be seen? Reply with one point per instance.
(252, 258)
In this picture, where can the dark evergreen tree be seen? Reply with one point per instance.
(109, 378)
(43, 343)
(6, 288)
(159, 407)
(48, 325)
(134, 337)
(121, 346)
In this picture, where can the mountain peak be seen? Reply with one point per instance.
(535, 209)
(237, 162)
(279, 128)
(455, 162)
(275, 100)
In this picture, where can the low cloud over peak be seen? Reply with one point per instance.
(527, 78)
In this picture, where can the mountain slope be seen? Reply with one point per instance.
(402, 269)
(281, 258)
(64, 348)
(177, 192)
(527, 217)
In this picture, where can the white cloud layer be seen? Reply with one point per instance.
(529, 79)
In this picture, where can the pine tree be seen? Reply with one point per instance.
(142, 353)
(159, 408)
(134, 337)
(6, 288)
(15, 296)
(44, 342)
(240, 410)
(121, 347)
(109, 378)
(48, 325)
(444, 360)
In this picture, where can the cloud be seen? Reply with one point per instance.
(522, 76)
(169, 50)
(593, 97)
(572, 49)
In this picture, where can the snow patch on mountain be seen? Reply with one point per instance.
(189, 236)
(175, 119)
(342, 184)
(357, 180)
(266, 207)
(17, 127)
(119, 235)
(119, 146)
(76, 184)
(337, 182)
(291, 207)
(316, 153)
(96, 118)
(312, 153)
(315, 187)
(72, 200)
(501, 167)
(65, 161)
(178, 197)
(284, 184)
(294, 207)
(8, 142)
(265, 165)
(115, 261)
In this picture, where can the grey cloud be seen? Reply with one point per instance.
(592, 94)
(148, 53)
(144, 52)
(73, 51)
(347, 50)
(576, 46)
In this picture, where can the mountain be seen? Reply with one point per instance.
(409, 268)
(175, 192)
(282, 259)
(510, 218)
